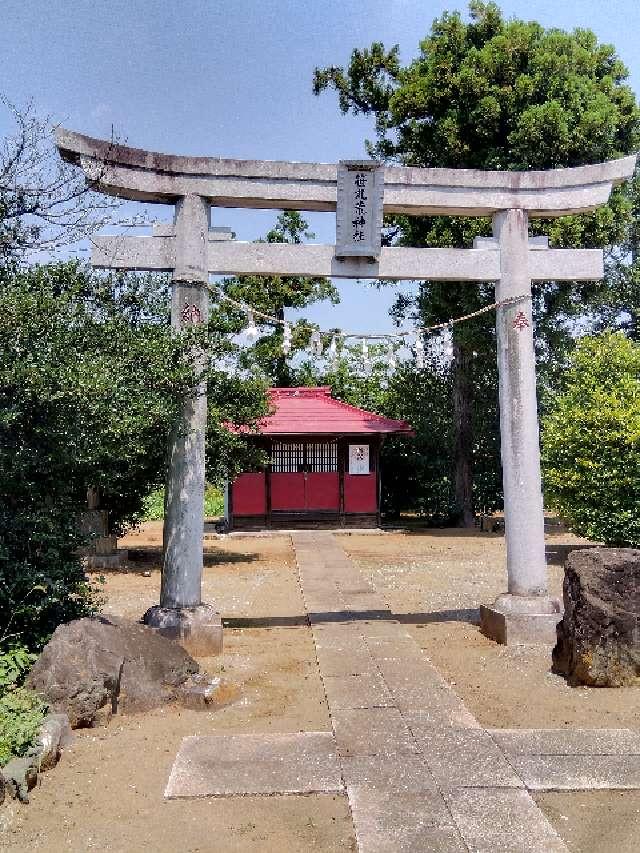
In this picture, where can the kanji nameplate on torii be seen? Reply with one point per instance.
(360, 190)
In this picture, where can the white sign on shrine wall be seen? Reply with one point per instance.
(358, 458)
(360, 189)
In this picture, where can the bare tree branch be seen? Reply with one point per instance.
(45, 203)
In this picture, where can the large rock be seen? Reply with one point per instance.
(92, 667)
(599, 636)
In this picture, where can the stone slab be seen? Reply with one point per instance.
(337, 635)
(456, 718)
(578, 772)
(436, 702)
(399, 648)
(387, 821)
(320, 585)
(316, 603)
(327, 612)
(227, 765)
(383, 629)
(372, 731)
(356, 691)
(115, 562)
(366, 604)
(355, 586)
(462, 757)
(377, 771)
(336, 662)
(406, 673)
(568, 741)
(363, 614)
(519, 628)
(495, 820)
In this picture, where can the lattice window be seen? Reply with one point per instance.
(287, 457)
(291, 457)
(322, 456)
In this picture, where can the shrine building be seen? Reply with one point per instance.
(324, 465)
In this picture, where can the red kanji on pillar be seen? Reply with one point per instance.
(520, 321)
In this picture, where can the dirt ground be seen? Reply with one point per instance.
(107, 791)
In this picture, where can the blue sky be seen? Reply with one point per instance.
(232, 78)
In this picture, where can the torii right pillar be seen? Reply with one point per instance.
(525, 613)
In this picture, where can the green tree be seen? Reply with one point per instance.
(591, 441)
(91, 381)
(273, 295)
(493, 93)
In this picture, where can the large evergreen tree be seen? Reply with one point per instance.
(491, 93)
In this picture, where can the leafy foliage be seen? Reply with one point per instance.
(154, 504)
(492, 94)
(21, 714)
(15, 663)
(21, 710)
(213, 502)
(591, 441)
(91, 381)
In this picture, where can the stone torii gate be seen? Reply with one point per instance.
(191, 250)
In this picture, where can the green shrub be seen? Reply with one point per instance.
(21, 714)
(21, 711)
(154, 503)
(14, 665)
(213, 501)
(153, 509)
(92, 380)
(591, 441)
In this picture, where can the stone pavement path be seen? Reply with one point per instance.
(420, 772)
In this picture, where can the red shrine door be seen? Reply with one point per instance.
(304, 476)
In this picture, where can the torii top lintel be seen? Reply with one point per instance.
(135, 173)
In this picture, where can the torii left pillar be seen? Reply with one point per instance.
(181, 614)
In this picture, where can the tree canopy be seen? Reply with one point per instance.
(492, 93)
(45, 203)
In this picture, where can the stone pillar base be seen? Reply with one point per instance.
(197, 629)
(521, 620)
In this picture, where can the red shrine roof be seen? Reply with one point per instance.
(313, 411)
